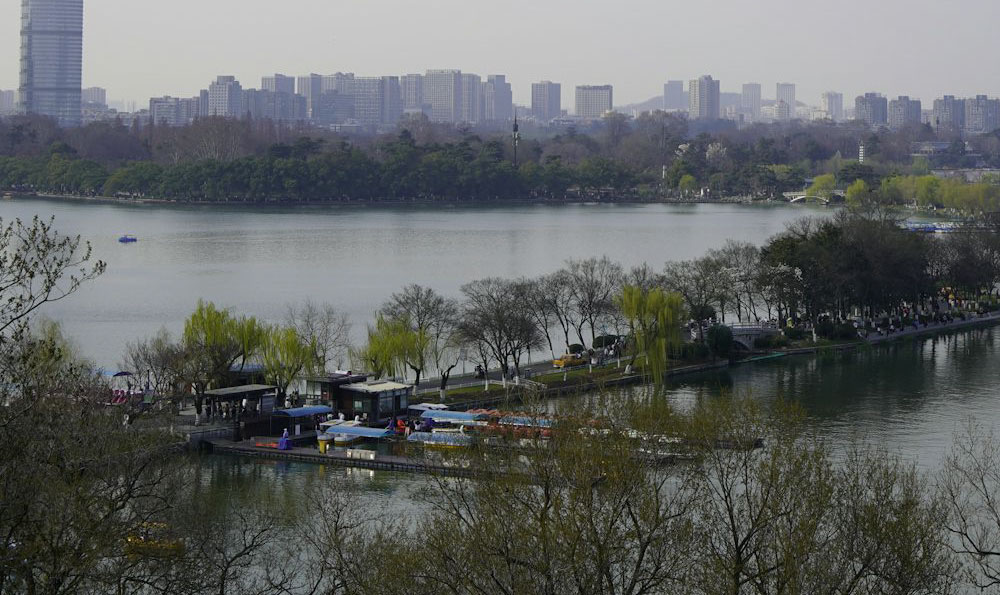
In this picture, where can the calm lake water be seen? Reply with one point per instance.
(258, 261)
(909, 396)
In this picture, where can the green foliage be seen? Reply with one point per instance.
(654, 319)
(823, 186)
(720, 340)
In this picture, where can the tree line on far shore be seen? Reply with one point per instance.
(653, 156)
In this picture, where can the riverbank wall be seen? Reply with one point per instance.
(266, 204)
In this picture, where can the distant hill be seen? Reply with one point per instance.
(655, 103)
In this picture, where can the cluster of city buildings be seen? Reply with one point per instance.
(50, 85)
(703, 101)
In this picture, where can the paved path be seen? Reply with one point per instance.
(910, 331)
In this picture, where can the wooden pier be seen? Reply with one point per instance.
(341, 458)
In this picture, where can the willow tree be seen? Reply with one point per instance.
(285, 354)
(392, 346)
(213, 341)
(654, 319)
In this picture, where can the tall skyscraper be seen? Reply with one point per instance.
(750, 101)
(673, 95)
(872, 109)
(546, 100)
(498, 101)
(948, 113)
(903, 111)
(225, 97)
(786, 92)
(833, 105)
(443, 92)
(472, 98)
(51, 59)
(593, 101)
(411, 87)
(703, 99)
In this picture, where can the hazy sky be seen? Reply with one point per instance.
(921, 48)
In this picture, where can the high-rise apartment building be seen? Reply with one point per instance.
(342, 82)
(673, 95)
(982, 115)
(51, 59)
(8, 101)
(472, 98)
(948, 113)
(786, 92)
(872, 109)
(546, 100)
(334, 107)
(174, 111)
(280, 106)
(593, 101)
(750, 101)
(377, 101)
(95, 96)
(703, 99)
(833, 105)
(278, 83)
(411, 88)
(498, 101)
(782, 111)
(310, 86)
(443, 92)
(225, 97)
(903, 112)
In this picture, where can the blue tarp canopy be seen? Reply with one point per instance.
(303, 411)
(362, 431)
(523, 420)
(453, 416)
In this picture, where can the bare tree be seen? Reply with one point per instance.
(325, 326)
(157, 360)
(434, 318)
(38, 266)
(971, 485)
(497, 322)
(595, 283)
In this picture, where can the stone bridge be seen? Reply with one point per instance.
(746, 334)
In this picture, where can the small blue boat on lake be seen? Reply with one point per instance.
(127, 239)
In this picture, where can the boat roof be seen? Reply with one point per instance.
(428, 406)
(303, 411)
(363, 431)
(524, 420)
(453, 416)
(238, 390)
(376, 386)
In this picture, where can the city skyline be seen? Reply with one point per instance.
(163, 60)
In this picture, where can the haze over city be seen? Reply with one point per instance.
(920, 48)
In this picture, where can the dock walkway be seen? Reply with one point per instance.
(339, 458)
